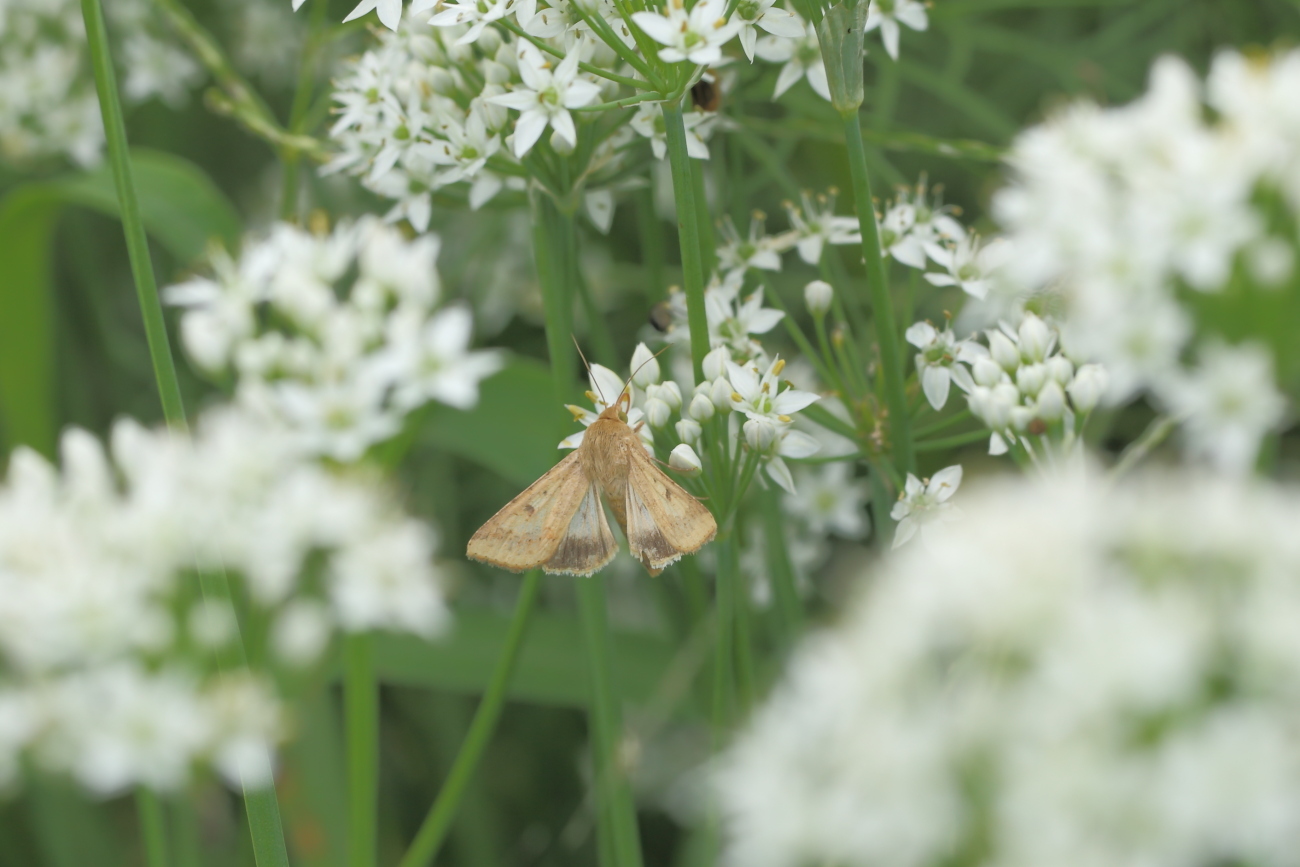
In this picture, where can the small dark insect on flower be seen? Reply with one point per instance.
(706, 95)
(661, 317)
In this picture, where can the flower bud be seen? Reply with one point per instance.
(1021, 418)
(1035, 338)
(562, 145)
(760, 434)
(671, 394)
(993, 405)
(701, 408)
(715, 363)
(987, 372)
(720, 394)
(689, 430)
(1004, 352)
(817, 295)
(685, 460)
(1051, 401)
(656, 412)
(488, 41)
(1031, 377)
(1090, 383)
(645, 367)
(440, 80)
(1060, 369)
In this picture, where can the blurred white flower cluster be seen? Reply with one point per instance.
(1076, 675)
(456, 105)
(335, 336)
(48, 105)
(120, 653)
(1023, 384)
(754, 406)
(1140, 214)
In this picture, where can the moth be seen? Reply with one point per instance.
(559, 524)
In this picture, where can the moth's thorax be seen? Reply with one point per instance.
(605, 455)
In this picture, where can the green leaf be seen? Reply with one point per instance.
(182, 209)
(510, 430)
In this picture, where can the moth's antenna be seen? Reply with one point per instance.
(588, 366)
(641, 365)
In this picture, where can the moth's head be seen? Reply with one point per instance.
(617, 411)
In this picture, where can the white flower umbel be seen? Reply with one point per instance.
(888, 14)
(106, 641)
(801, 57)
(1075, 675)
(923, 506)
(1132, 212)
(733, 321)
(696, 35)
(1227, 404)
(545, 97)
(338, 363)
(942, 359)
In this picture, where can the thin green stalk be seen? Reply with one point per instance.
(302, 99)
(789, 607)
(153, 827)
(724, 612)
(613, 794)
(1156, 432)
(961, 439)
(652, 244)
(137, 244)
(689, 234)
(557, 297)
(891, 367)
(746, 680)
(433, 831)
(942, 424)
(824, 363)
(361, 711)
(708, 243)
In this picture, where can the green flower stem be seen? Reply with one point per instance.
(689, 232)
(263, 811)
(613, 793)
(724, 614)
(789, 607)
(557, 299)
(881, 504)
(1160, 428)
(652, 244)
(942, 424)
(849, 315)
(708, 243)
(952, 442)
(584, 66)
(891, 368)
(824, 363)
(302, 100)
(745, 677)
(361, 712)
(433, 831)
(153, 827)
(137, 244)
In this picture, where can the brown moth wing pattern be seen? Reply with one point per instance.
(587, 545)
(663, 520)
(526, 532)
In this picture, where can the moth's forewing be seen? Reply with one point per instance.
(587, 545)
(527, 531)
(663, 520)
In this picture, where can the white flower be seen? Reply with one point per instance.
(758, 393)
(970, 265)
(696, 35)
(753, 14)
(477, 13)
(1226, 404)
(802, 58)
(815, 225)
(831, 500)
(941, 360)
(389, 11)
(429, 359)
(888, 14)
(759, 250)
(546, 97)
(649, 123)
(923, 505)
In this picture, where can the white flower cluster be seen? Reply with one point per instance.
(338, 336)
(729, 390)
(1133, 211)
(918, 229)
(119, 661)
(1022, 384)
(1075, 676)
(48, 105)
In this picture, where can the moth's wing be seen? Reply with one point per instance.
(663, 520)
(527, 531)
(587, 545)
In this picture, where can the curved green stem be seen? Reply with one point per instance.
(891, 367)
(433, 831)
(688, 232)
